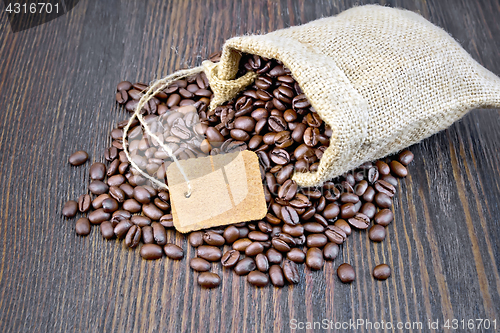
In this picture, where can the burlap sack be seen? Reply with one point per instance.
(382, 78)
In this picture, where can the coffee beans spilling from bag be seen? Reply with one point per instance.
(271, 117)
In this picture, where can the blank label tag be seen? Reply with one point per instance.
(226, 189)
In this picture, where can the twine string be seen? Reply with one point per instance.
(154, 89)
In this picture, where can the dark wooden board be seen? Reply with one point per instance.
(57, 84)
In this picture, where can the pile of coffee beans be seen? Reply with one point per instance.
(271, 117)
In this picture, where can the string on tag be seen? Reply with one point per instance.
(154, 89)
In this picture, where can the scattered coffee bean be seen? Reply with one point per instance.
(70, 209)
(209, 280)
(381, 272)
(82, 226)
(175, 252)
(199, 265)
(258, 279)
(376, 233)
(78, 158)
(346, 273)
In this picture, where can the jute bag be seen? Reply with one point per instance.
(381, 78)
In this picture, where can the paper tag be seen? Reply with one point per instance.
(226, 189)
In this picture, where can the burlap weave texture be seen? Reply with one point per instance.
(381, 78)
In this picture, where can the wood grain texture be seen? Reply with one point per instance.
(57, 84)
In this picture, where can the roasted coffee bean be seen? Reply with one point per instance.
(296, 255)
(175, 252)
(314, 258)
(342, 224)
(159, 233)
(97, 202)
(382, 200)
(117, 194)
(280, 245)
(290, 271)
(274, 256)
(98, 216)
(383, 168)
(368, 209)
(231, 234)
(330, 251)
(82, 226)
(289, 215)
(230, 258)
(360, 221)
(347, 210)
(208, 252)
(124, 85)
(212, 238)
(346, 273)
(261, 262)
(199, 265)
(209, 280)
(309, 213)
(241, 244)
(254, 249)
(97, 187)
(277, 124)
(384, 187)
(258, 236)
(280, 156)
(121, 228)
(316, 240)
(116, 180)
(107, 231)
(295, 231)
(110, 205)
(70, 208)
(276, 276)
(246, 123)
(376, 233)
(147, 234)
(127, 189)
(398, 169)
(142, 195)
(97, 171)
(133, 236)
(151, 252)
(313, 227)
(113, 167)
(214, 137)
(119, 216)
(167, 221)
(335, 234)
(258, 279)
(391, 180)
(360, 188)
(373, 175)
(78, 158)
(288, 190)
(131, 205)
(196, 238)
(381, 272)
(141, 221)
(349, 197)
(331, 211)
(384, 217)
(151, 211)
(283, 140)
(245, 266)
(369, 194)
(405, 157)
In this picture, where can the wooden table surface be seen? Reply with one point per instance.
(57, 85)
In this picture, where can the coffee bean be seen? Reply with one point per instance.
(330, 251)
(382, 200)
(360, 221)
(209, 280)
(314, 258)
(245, 266)
(97, 187)
(78, 158)
(241, 244)
(391, 180)
(373, 175)
(84, 202)
(381, 272)
(196, 238)
(212, 238)
(142, 195)
(384, 187)
(199, 265)
(398, 169)
(347, 210)
(377, 233)
(82, 226)
(127, 189)
(254, 249)
(208, 252)
(151, 252)
(276, 276)
(97, 171)
(117, 194)
(133, 236)
(274, 256)
(295, 231)
(119, 216)
(346, 273)
(280, 245)
(360, 188)
(124, 85)
(116, 180)
(167, 221)
(258, 236)
(342, 224)
(288, 190)
(131, 205)
(368, 209)
(289, 215)
(369, 194)
(335, 234)
(405, 157)
(258, 279)
(151, 211)
(349, 197)
(159, 233)
(316, 240)
(107, 231)
(290, 271)
(70, 208)
(98, 216)
(280, 156)
(230, 258)
(147, 234)
(109, 205)
(214, 137)
(122, 228)
(261, 262)
(296, 255)
(175, 252)
(384, 217)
